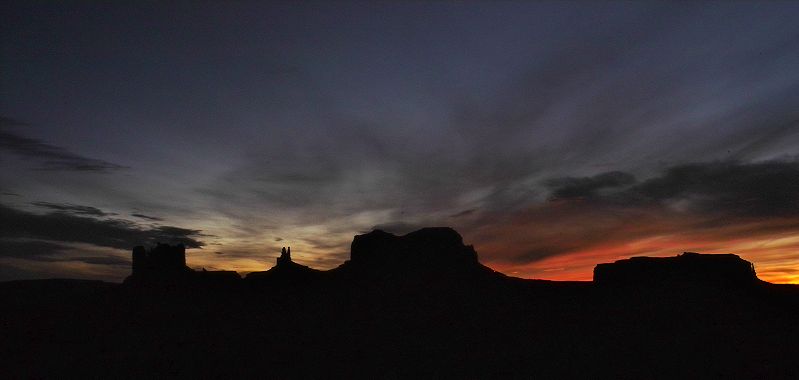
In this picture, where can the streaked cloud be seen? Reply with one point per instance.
(147, 217)
(49, 157)
(107, 232)
(551, 135)
(715, 207)
(72, 209)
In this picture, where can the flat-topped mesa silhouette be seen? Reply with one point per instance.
(166, 262)
(414, 306)
(437, 255)
(428, 252)
(406, 307)
(159, 262)
(163, 258)
(687, 269)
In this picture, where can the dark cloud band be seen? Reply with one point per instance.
(761, 189)
(112, 233)
(50, 157)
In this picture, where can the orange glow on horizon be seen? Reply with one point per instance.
(776, 260)
(566, 240)
(559, 242)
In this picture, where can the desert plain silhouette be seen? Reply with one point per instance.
(414, 306)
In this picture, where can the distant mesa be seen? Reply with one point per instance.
(433, 252)
(433, 248)
(687, 269)
(437, 255)
(163, 260)
(166, 263)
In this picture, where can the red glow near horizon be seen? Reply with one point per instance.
(776, 260)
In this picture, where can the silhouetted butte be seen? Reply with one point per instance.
(413, 306)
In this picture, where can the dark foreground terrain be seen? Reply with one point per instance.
(418, 306)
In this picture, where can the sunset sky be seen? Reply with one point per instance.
(552, 136)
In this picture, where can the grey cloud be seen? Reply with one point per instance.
(114, 233)
(103, 260)
(147, 217)
(72, 209)
(323, 243)
(49, 251)
(167, 233)
(607, 96)
(50, 156)
(697, 202)
(28, 249)
(398, 228)
(572, 187)
(463, 213)
(759, 189)
(611, 97)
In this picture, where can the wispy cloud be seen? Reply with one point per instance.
(703, 206)
(541, 131)
(571, 187)
(69, 208)
(147, 217)
(50, 157)
(729, 188)
(112, 233)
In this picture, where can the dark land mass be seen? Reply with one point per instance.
(414, 306)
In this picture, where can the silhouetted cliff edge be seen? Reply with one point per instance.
(165, 264)
(433, 253)
(687, 269)
(437, 255)
(413, 306)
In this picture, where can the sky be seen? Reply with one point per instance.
(551, 136)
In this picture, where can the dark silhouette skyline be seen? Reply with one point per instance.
(552, 135)
(245, 189)
(418, 305)
(432, 253)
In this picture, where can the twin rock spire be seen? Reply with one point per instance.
(285, 256)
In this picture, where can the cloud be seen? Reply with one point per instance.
(177, 234)
(50, 156)
(571, 187)
(72, 209)
(705, 206)
(398, 228)
(621, 91)
(113, 233)
(103, 260)
(631, 90)
(759, 189)
(764, 189)
(147, 217)
(463, 213)
(30, 249)
(34, 258)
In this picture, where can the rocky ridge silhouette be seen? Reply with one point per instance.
(687, 268)
(438, 254)
(414, 306)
